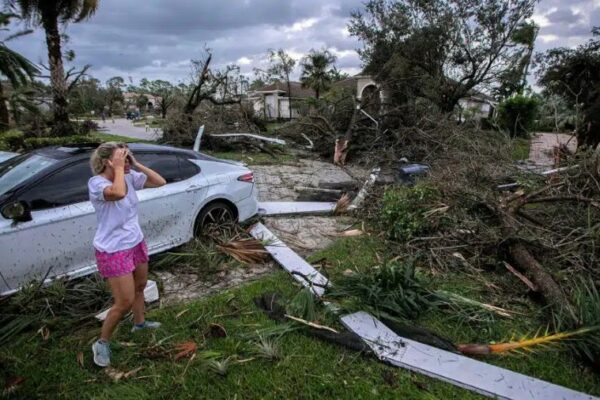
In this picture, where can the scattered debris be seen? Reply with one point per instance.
(407, 173)
(525, 343)
(251, 136)
(290, 261)
(311, 324)
(298, 207)
(185, 349)
(458, 370)
(267, 349)
(342, 204)
(12, 385)
(348, 233)
(44, 332)
(117, 375)
(364, 191)
(246, 251)
(522, 277)
(215, 331)
(220, 368)
(80, 359)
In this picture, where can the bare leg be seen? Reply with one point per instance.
(123, 290)
(140, 276)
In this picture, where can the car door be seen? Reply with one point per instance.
(167, 213)
(58, 239)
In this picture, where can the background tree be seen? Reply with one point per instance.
(438, 49)
(282, 66)
(208, 85)
(316, 73)
(141, 102)
(574, 74)
(164, 92)
(514, 78)
(18, 70)
(114, 93)
(87, 96)
(49, 15)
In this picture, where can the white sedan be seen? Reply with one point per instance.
(47, 223)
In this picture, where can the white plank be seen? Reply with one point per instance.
(271, 208)
(289, 260)
(453, 368)
(150, 296)
(251, 135)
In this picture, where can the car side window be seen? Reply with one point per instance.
(67, 186)
(187, 169)
(167, 165)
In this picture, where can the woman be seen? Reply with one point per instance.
(121, 252)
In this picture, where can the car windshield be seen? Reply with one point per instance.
(20, 168)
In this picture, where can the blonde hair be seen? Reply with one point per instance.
(103, 153)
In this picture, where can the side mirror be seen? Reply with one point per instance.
(17, 211)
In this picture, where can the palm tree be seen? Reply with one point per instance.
(49, 14)
(18, 70)
(315, 71)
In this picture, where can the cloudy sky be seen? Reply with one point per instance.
(156, 38)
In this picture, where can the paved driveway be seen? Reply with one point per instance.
(542, 145)
(125, 127)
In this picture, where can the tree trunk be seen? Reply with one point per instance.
(61, 126)
(4, 115)
(524, 260)
(289, 88)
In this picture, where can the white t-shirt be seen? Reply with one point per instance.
(118, 225)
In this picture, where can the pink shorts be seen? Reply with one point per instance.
(123, 262)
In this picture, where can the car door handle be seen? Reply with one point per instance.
(192, 188)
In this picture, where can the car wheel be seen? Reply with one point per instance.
(214, 218)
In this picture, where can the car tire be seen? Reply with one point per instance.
(214, 215)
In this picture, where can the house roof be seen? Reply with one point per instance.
(281, 87)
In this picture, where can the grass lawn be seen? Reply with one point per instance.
(520, 149)
(106, 137)
(307, 367)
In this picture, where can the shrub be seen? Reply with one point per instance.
(517, 114)
(11, 140)
(404, 213)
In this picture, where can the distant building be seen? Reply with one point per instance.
(131, 100)
(273, 101)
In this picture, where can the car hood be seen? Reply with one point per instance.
(5, 155)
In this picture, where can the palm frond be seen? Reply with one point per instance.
(303, 305)
(341, 206)
(392, 288)
(528, 344)
(246, 251)
(268, 349)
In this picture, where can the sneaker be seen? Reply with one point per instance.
(101, 352)
(146, 325)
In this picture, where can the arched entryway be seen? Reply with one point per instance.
(370, 99)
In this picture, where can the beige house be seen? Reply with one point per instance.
(131, 100)
(273, 101)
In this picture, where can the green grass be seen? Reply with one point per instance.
(254, 158)
(520, 150)
(308, 368)
(106, 137)
(553, 365)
